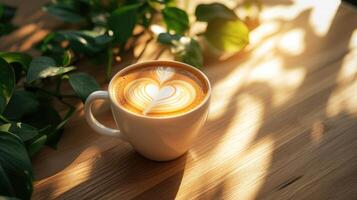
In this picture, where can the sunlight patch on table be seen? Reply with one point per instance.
(223, 97)
(242, 175)
(292, 42)
(283, 82)
(262, 32)
(275, 80)
(322, 15)
(76, 177)
(344, 98)
(247, 180)
(232, 145)
(317, 131)
(242, 129)
(353, 40)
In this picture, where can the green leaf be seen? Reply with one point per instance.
(43, 66)
(176, 19)
(67, 58)
(226, 35)
(15, 167)
(80, 42)
(63, 13)
(21, 103)
(188, 50)
(37, 145)
(213, 11)
(83, 84)
(46, 119)
(7, 83)
(22, 130)
(16, 57)
(167, 38)
(122, 22)
(87, 42)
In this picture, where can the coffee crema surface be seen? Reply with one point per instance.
(160, 91)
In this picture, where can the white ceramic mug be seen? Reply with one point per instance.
(156, 138)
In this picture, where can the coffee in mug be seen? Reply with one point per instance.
(159, 91)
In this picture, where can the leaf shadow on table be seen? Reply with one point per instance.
(304, 112)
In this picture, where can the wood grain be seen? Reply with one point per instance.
(282, 124)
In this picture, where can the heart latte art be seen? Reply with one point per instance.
(159, 91)
(150, 97)
(159, 96)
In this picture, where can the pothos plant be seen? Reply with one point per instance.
(30, 86)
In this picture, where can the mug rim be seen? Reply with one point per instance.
(136, 65)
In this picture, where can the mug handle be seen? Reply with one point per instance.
(97, 126)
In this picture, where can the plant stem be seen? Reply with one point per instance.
(65, 103)
(2, 118)
(58, 86)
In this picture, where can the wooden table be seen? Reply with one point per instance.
(282, 124)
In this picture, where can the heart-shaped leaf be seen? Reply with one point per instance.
(83, 84)
(43, 66)
(209, 12)
(7, 83)
(122, 22)
(21, 103)
(227, 35)
(176, 19)
(15, 167)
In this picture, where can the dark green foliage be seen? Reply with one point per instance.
(15, 167)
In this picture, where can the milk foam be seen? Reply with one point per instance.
(161, 94)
